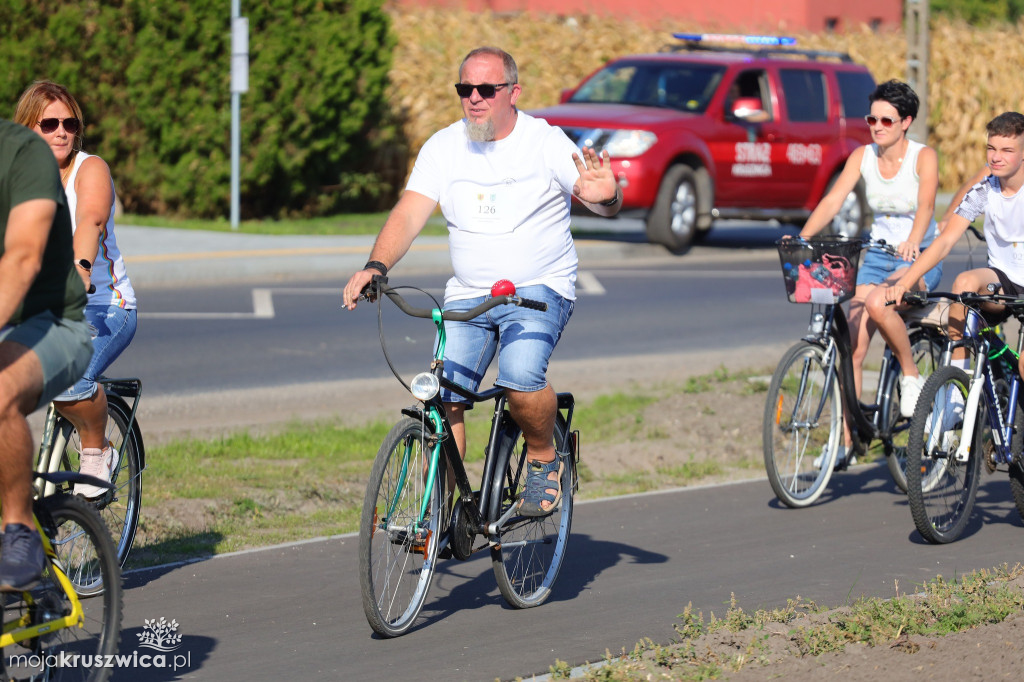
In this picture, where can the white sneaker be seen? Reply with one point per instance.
(910, 390)
(98, 463)
(840, 459)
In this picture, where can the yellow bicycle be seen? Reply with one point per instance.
(51, 631)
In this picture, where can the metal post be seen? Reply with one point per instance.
(239, 84)
(916, 21)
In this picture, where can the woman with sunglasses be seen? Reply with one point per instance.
(51, 111)
(901, 177)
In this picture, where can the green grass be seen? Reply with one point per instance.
(700, 650)
(348, 224)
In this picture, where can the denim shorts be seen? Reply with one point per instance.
(877, 266)
(114, 329)
(523, 339)
(62, 346)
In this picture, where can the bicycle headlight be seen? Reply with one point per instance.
(424, 386)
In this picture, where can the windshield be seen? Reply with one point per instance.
(687, 87)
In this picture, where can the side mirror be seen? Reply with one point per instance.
(748, 109)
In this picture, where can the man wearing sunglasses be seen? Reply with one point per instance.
(504, 181)
(44, 343)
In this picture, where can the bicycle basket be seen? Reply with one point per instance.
(819, 270)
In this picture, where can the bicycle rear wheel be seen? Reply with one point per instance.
(84, 549)
(927, 345)
(940, 488)
(530, 550)
(119, 507)
(397, 553)
(802, 427)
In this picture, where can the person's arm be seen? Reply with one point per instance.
(405, 221)
(596, 187)
(830, 204)
(931, 257)
(928, 184)
(960, 194)
(95, 190)
(28, 228)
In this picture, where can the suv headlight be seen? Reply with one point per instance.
(625, 144)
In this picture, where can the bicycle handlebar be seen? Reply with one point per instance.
(379, 285)
(921, 298)
(865, 244)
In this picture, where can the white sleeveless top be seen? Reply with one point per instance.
(894, 200)
(113, 287)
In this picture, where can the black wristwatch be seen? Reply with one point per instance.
(84, 264)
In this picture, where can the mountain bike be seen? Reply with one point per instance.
(52, 631)
(812, 388)
(964, 419)
(60, 450)
(408, 520)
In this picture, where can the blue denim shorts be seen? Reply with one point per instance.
(877, 266)
(523, 339)
(114, 330)
(62, 346)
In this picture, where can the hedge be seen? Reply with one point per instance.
(153, 79)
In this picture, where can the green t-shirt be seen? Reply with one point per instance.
(28, 170)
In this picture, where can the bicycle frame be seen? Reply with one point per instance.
(983, 381)
(21, 630)
(443, 444)
(53, 442)
(834, 337)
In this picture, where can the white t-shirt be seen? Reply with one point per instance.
(894, 200)
(113, 288)
(506, 203)
(1004, 225)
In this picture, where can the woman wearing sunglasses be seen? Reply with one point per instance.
(51, 111)
(901, 177)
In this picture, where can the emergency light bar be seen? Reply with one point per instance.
(735, 38)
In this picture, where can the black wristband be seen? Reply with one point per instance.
(376, 265)
(614, 200)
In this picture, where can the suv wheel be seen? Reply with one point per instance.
(854, 217)
(674, 219)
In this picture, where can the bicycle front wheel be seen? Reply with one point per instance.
(803, 426)
(119, 507)
(85, 553)
(927, 346)
(530, 550)
(940, 486)
(397, 541)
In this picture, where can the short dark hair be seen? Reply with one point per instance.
(1006, 124)
(508, 64)
(898, 94)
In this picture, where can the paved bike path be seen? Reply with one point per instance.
(634, 563)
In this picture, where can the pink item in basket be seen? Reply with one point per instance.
(833, 275)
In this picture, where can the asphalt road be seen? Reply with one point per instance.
(633, 564)
(632, 567)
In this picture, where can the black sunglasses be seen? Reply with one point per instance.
(71, 125)
(486, 90)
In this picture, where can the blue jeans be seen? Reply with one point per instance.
(876, 266)
(114, 330)
(523, 339)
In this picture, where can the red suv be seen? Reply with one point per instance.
(702, 132)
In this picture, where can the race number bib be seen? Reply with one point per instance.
(483, 209)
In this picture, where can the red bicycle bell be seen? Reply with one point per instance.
(503, 287)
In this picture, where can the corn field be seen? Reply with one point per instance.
(974, 73)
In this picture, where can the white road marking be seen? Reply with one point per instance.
(263, 301)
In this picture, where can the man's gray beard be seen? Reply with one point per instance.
(480, 132)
